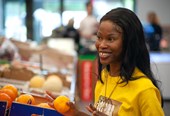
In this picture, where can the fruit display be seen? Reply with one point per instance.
(53, 83)
(22, 74)
(12, 88)
(24, 82)
(37, 81)
(60, 104)
(44, 105)
(26, 99)
(7, 98)
(8, 94)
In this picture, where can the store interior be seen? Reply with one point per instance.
(34, 44)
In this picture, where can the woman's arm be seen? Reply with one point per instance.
(150, 103)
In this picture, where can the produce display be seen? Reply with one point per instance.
(44, 105)
(60, 104)
(37, 81)
(25, 79)
(6, 97)
(8, 94)
(12, 88)
(26, 99)
(53, 83)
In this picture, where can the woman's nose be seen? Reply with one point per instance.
(103, 44)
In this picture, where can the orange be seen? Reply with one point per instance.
(60, 104)
(9, 92)
(44, 105)
(11, 87)
(26, 99)
(5, 97)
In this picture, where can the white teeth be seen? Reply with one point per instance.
(103, 54)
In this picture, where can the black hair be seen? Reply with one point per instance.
(135, 52)
(88, 3)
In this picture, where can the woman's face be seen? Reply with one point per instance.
(109, 43)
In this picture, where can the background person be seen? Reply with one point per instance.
(88, 27)
(154, 35)
(71, 32)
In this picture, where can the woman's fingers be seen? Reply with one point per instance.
(49, 98)
(94, 111)
(71, 105)
(49, 95)
(97, 113)
(73, 110)
(51, 104)
(91, 108)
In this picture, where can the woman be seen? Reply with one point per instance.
(126, 83)
(125, 86)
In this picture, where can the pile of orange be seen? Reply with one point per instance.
(60, 104)
(44, 105)
(26, 99)
(8, 93)
(13, 88)
(5, 97)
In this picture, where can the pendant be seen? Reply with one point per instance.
(105, 105)
(108, 106)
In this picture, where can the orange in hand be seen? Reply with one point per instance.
(26, 99)
(60, 104)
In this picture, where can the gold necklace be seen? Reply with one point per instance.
(112, 90)
(107, 99)
(104, 103)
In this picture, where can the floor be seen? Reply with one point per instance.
(166, 108)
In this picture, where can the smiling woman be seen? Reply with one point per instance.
(125, 82)
(126, 85)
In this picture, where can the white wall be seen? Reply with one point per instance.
(161, 7)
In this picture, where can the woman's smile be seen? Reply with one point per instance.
(104, 55)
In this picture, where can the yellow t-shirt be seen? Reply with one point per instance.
(138, 98)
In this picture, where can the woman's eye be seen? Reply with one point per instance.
(111, 39)
(99, 38)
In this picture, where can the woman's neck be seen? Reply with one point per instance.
(114, 70)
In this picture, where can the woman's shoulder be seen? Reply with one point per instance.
(141, 81)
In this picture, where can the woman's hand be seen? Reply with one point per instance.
(73, 111)
(50, 96)
(94, 111)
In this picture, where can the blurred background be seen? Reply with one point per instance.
(45, 35)
(35, 19)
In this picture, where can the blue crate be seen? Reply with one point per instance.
(3, 108)
(18, 109)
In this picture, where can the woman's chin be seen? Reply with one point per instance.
(104, 62)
